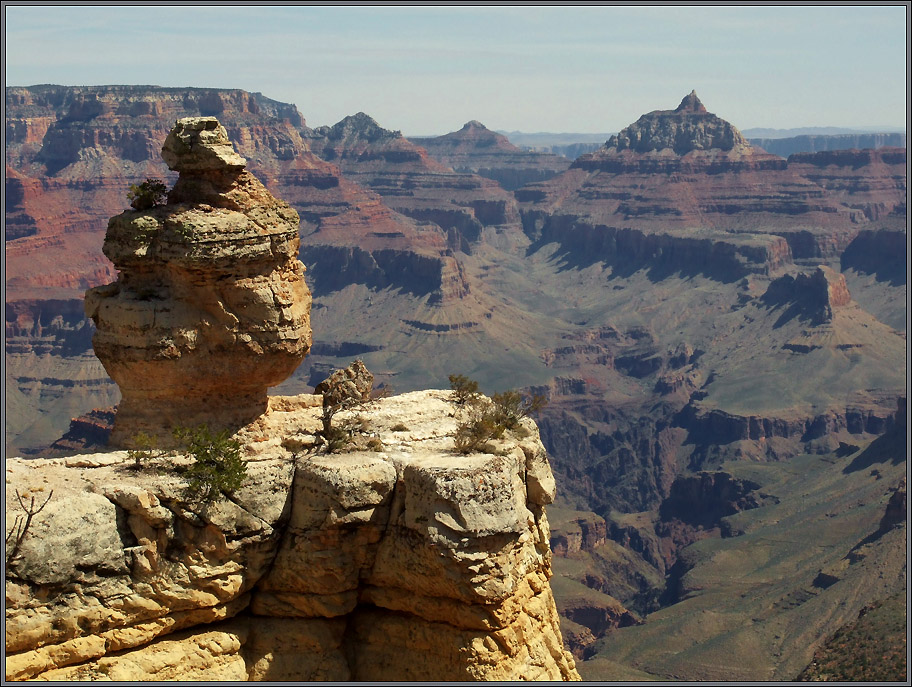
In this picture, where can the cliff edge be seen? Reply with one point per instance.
(410, 562)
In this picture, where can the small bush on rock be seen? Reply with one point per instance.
(351, 388)
(145, 449)
(218, 468)
(489, 419)
(510, 407)
(465, 390)
(147, 195)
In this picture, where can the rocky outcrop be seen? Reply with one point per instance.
(410, 563)
(210, 307)
(461, 205)
(812, 295)
(476, 149)
(687, 128)
(863, 416)
(88, 433)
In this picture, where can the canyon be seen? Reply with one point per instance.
(689, 304)
(295, 549)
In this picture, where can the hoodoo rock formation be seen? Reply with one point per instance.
(411, 563)
(210, 307)
(408, 561)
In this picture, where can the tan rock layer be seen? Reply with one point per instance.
(210, 307)
(413, 563)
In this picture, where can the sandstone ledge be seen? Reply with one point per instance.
(411, 563)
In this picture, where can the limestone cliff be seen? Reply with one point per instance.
(410, 563)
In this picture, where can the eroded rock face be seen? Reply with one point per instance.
(411, 563)
(686, 128)
(210, 306)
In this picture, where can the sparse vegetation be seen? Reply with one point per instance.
(347, 389)
(147, 195)
(465, 390)
(399, 427)
(872, 649)
(218, 469)
(489, 419)
(19, 531)
(473, 435)
(511, 406)
(144, 450)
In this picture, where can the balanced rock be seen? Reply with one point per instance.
(210, 307)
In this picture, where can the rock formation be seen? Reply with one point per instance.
(811, 143)
(412, 183)
(210, 307)
(676, 179)
(478, 150)
(411, 563)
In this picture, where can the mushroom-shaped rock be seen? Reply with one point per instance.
(210, 307)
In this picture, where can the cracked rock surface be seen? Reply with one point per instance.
(408, 563)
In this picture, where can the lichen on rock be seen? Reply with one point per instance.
(210, 307)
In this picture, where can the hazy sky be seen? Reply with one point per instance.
(429, 70)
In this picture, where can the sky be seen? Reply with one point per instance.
(428, 70)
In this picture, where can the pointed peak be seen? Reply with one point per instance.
(474, 124)
(691, 104)
(360, 125)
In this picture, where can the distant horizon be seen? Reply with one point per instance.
(428, 70)
(749, 132)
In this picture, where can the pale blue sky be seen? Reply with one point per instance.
(429, 70)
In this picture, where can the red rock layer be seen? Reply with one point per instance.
(689, 174)
(72, 153)
(413, 184)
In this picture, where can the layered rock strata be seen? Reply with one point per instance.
(476, 149)
(461, 206)
(210, 307)
(411, 563)
(684, 186)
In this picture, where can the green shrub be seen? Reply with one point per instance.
(510, 407)
(489, 421)
(147, 195)
(465, 390)
(145, 448)
(473, 436)
(218, 468)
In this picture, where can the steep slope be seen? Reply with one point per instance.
(756, 604)
(461, 205)
(477, 149)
